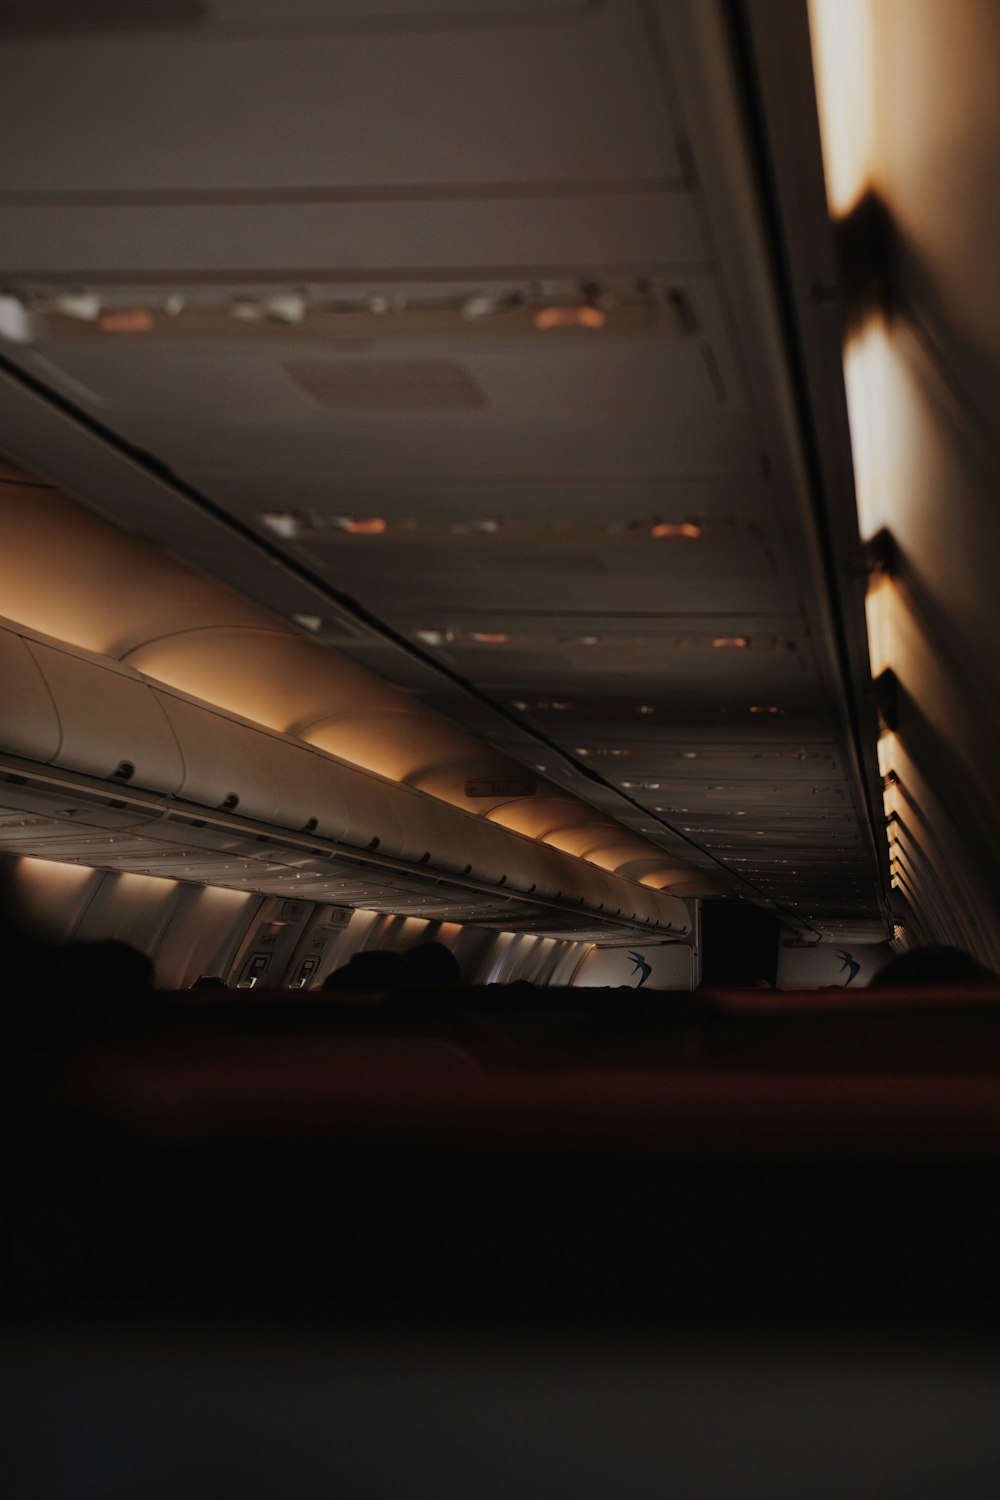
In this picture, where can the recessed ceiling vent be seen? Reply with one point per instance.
(412, 385)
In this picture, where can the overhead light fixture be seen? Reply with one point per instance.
(722, 641)
(126, 320)
(486, 526)
(283, 523)
(83, 305)
(766, 708)
(312, 623)
(688, 529)
(362, 525)
(489, 637)
(569, 317)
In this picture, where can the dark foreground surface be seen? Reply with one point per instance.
(740, 1246)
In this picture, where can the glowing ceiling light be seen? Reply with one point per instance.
(83, 305)
(882, 609)
(362, 525)
(646, 708)
(283, 523)
(687, 529)
(126, 320)
(489, 637)
(485, 527)
(312, 623)
(766, 708)
(844, 65)
(569, 317)
(722, 641)
(888, 756)
(431, 637)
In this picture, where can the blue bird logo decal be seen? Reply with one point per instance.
(640, 966)
(849, 962)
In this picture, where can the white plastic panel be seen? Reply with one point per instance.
(30, 724)
(130, 908)
(435, 106)
(221, 760)
(373, 820)
(488, 855)
(108, 716)
(203, 933)
(53, 896)
(266, 950)
(307, 786)
(655, 966)
(426, 837)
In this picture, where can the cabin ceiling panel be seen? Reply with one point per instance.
(533, 422)
(461, 501)
(637, 381)
(638, 231)
(390, 111)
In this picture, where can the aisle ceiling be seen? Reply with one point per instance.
(462, 311)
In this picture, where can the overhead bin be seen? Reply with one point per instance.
(87, 714)
(30, 721)
(110, 722)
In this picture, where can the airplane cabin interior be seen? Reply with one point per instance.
(498, 811)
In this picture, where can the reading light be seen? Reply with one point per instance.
(842, 35)
(486, 527)
(83, 305)
(127, 320)
(676, 528)
(646, 708)
(283, 523)
(569, 317)
(362, 525)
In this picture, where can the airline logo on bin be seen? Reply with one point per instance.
(640, 966)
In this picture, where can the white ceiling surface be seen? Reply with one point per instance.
(416, 150)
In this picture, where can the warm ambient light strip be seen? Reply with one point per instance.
(844, 40)
(843, 37)
(842, 34)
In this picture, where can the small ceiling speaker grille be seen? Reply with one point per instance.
(407, 386)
